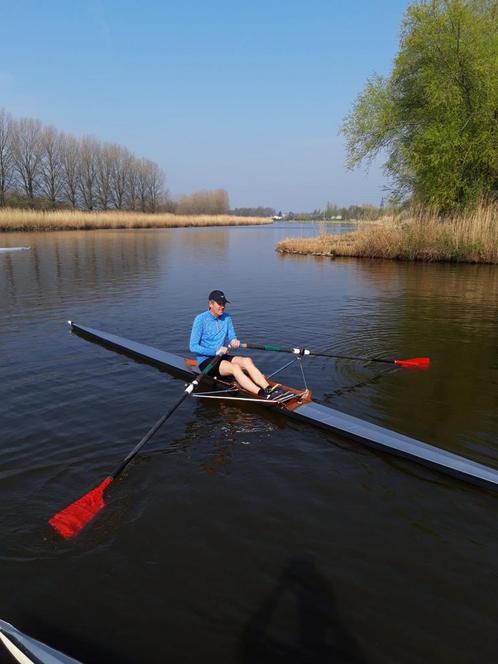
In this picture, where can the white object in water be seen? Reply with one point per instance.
(4, 250)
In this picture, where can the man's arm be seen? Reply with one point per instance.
(232, 336)
(195, 338)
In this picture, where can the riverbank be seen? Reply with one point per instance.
(15, 220)
(469, 238)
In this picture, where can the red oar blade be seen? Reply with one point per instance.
(414, 362)
(69, 521)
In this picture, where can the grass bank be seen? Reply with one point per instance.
(423, 236)
(12, 219)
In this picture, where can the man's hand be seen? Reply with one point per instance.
(235, 343)
(223, 350)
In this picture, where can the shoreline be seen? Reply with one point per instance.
(14, 220)
(422, 237)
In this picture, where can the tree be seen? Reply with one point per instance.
(6, 163)
(131, 195)
(142, 183)
(120, 175)
(27, 153)
(204, 202)
(51, 171)
(70, 163)
(105, 158)
(255, 212)
(88, 171)
(155, 185)
(436, 115)
(39, 164)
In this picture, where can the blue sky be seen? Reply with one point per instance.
(245, 96)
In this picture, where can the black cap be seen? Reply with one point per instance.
(218, 296)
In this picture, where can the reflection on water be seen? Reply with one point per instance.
(61, 265)
(453, 311)
(189, 547)
(211, 438)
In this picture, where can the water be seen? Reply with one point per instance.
(238, 536)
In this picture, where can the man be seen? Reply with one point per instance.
(210, 332)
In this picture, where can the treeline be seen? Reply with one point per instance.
(43, 167)
(253, 212)
(365, 212)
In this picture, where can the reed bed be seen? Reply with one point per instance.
(423, 236)
(13, 219)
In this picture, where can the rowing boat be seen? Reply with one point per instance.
(304, 408)
(6, 250)
(27, 650)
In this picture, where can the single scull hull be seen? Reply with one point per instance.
(323, 416)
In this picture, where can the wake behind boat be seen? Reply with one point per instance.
(299, 405)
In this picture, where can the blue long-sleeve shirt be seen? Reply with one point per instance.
(210, 333)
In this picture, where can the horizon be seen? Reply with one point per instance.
(246, 99)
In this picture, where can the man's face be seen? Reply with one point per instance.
(215, 308)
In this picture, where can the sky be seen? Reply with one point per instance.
(244, 96)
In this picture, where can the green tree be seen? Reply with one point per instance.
(435, 118)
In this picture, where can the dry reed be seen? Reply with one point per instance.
(423, 236)
(13, 219)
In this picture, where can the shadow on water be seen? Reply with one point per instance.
(319, 634)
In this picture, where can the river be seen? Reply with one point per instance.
(237, 535)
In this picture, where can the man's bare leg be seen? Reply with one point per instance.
(249, 367)
(233, 369)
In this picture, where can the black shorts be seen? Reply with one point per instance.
(214, 372)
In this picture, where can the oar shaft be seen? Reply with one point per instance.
(418, 361)
(188, 390)
(69, 521)
(147, 437)
(355, 357)
(306, 351)
(278, 349)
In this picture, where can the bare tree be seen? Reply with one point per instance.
(88, 171)
(142, 184)
(155, 184)
(220, 203)
(27, 154)
(70, 161)
(37, 160)
(204, 202)
(120, 173)
(105, 164)
(132, 186)
(51, 170)
(6, 164)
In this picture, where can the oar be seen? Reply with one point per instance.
(69, 521)
(411, 362)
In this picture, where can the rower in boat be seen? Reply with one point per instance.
(210, 332)
(299, 405)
